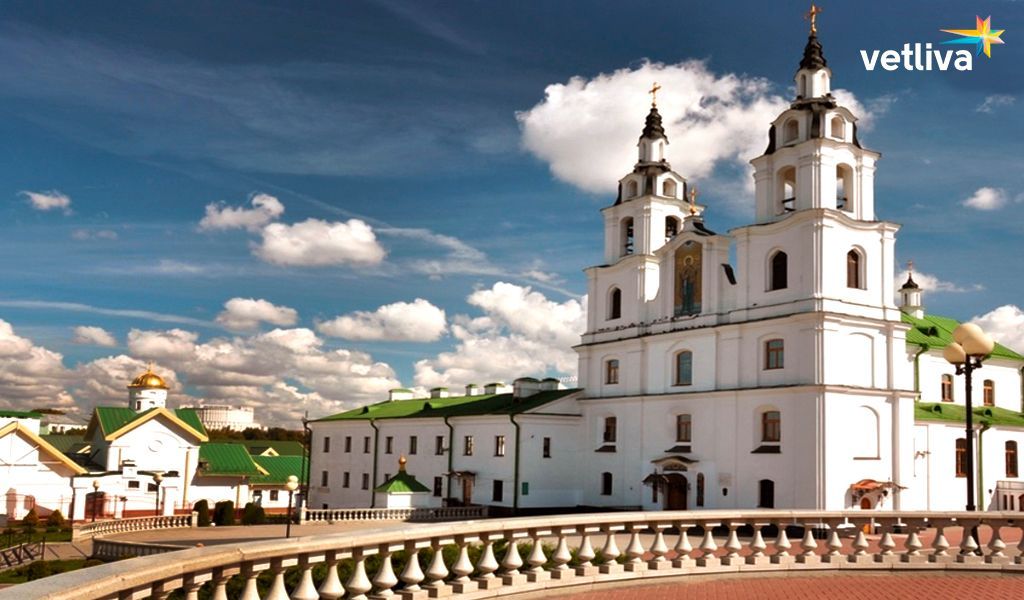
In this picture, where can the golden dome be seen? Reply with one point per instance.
(149, 380)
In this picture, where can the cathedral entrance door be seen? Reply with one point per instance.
(675, 492)
(467, 491)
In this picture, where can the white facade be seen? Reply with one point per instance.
(226, 416)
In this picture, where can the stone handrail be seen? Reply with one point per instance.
(332, 515)
(116, 550)
(89, 530)
(654, 544)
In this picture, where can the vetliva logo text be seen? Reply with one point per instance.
(917, 58)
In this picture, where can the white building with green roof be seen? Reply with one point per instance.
(771, 366)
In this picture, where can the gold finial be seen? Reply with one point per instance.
(693, 201)
(812, 16)
(910, 266)
(401, 463)
(654, 93)
(149, 367)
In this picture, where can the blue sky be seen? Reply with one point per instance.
(403, 115)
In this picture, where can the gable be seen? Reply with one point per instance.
(19, 441)
(111, 422)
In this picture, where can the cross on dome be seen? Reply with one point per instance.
(654, 93)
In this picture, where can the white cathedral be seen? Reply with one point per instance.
(790, 378)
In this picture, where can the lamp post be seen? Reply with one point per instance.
(970, 346)
(291, 485)
(157, 479)
(95, 497)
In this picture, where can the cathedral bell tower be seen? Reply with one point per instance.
(147, 391)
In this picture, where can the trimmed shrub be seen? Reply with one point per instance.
(38, 570)
(253, 514)
(202, 509)
(31, 520)
(224, 513)
(55, 520)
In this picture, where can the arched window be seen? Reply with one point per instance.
(774, 354)
(669, 188)
(606, 484)
(766, 493)
(771, 426)
(614, 303)
(633, 189)
(626, 235)
(1011, 459)
(684, 428)
(803, 86)
(844, 187)
(610, 432)
(961, 457)
(700, 489)
(671, 228)
(989, 392)
(786, 190)
(853, 270)
(790, 131)
(688, 288)
(838, 128)
(865, 422)
(947, 388)
(778, 271)
(611, 371)
(684, 368)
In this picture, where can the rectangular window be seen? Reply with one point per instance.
(389, 444)
(961, 457)
(947, 388)
(498, 491)
(683, 428)
(413, 444)
(467, 446)
(774, 354)
(606, 484)
(151, 487)
(1011, 459)
(611, 371)
(610, 426)
(989, 393)
(771, 426)
(439, 445)
(366, 481)
(323, 478)
(438, 486)
(684, 368)
(345, 478)
(499, 445)
(348, 443)
(327, 443)
(133, 485)
(366, 445)
(274, 494)
(546, 448)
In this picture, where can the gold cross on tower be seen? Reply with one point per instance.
(812, 16)
(910, 266)
(693, 201)
(654, 93)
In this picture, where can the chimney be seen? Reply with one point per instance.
(497, 387)
(399, 394)
(550, 383)
(473, 390)
(524, 387)
(439, 392)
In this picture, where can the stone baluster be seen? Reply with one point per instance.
(732, 547)
(462, 569)
(277, 589)
(968, 545)
(610, 552)
(996, 545)
(659, 549)
(191, 587)
(487, 565)
(358, 584)
(412, 574)
(331, 588)
(220, 585)
(834, 545)
(510, 564)
(809, 545)
(385, 579)
(561, 558)
(886, 545)
(250, 591)
(437, 571)
(708, 548)
(782, 546)
(913, 544)
(757, 556)
(536, 559)
(635, 551)
(306, 590)
(683, 548)
(860, 544)
(585, 555)
(940, 545)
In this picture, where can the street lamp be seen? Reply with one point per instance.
(95, 497)
(970, 346)
(158, 479)
(291, 485)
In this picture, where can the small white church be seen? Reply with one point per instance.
(787, 377)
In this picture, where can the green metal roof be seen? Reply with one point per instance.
(20, 414)
(458, 406)
(220, 458)
(402, 482)
(66, 443)
(112, 418)
(282, 447)
(278, 469)
(936, 332)
(957, 413)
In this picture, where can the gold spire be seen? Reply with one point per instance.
(401, 463)
(812, 16)
(654, 93)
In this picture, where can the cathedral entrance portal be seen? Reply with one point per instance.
(675, 492)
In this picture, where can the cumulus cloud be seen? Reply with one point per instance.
(162, 345)
(521, 332)
(93, 336)
(931, 283)
(30, 376)
(1005, 324)
(314, 243)
(416, 321)
(246, 314)
(994, 102)
(47, 201)
(986, 198)
(265, 208)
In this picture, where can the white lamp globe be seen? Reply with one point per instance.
(966, 330)
(954, 354)
(292, 484)
(979, 345)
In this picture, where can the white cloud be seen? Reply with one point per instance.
(84, 235)
(521, 333)
(1005, 324)
(313, 243)
(30, 376)
(246, 314)
(265, 208)
(416, 321)
(931, 283)
(987, 198)
(93, 336)
(162, 345)
(995, 101)
(51, 200)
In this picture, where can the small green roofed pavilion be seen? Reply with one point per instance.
(402, 490)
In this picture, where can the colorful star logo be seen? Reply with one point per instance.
(981, 36)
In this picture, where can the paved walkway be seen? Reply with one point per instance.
(903, 586)
(236, 534)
